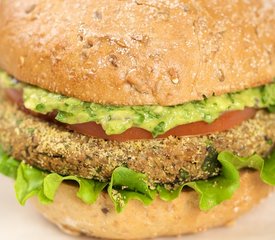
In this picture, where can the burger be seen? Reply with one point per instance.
(138, 119)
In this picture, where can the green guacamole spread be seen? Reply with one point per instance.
(155, 119)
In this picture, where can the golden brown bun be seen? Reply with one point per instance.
(139, 52)
(159, 219)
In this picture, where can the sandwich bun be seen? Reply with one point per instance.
(139, 52)
(137, 221)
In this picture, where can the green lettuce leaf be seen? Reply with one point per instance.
(166, 194)
(212, 191)
(8, 165)
(266, 167)
(218, 189)
(127, 184)
(88, 192)
(29, 183)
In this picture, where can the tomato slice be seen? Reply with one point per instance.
(227, 121)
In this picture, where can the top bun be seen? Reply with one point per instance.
(139, 52)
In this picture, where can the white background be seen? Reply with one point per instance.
(20, 223)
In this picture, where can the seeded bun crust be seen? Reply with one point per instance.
(139, 52)
(181, 216)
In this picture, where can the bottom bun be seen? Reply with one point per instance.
(161, 218)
